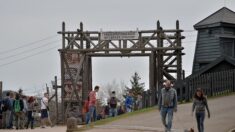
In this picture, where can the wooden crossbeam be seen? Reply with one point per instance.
(114, 45)
(127, 49)
(88, 39)
(168, 76)
(71, 42)
(150, 38)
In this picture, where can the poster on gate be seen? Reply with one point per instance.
(73, 60)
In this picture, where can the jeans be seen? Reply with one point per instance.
(113, 112)
(169, 113)
(92, 113)
(87, 117)
(19, 118)
(11, 119)
(6, 115)
(30, 119)
(200, 116)
(128, 110)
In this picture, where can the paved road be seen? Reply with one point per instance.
(222, 119)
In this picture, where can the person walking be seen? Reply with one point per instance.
(45, 111)
(30, 106)
(167, 105)
(139, 101)
(6, 111)
(199, 105)
(129, 102)
(113, 105)
(92, 104)
(25, 110)
(18, 107)
(12, 98)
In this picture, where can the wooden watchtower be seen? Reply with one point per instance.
(215, 47)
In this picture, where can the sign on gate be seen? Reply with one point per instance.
(119, 35)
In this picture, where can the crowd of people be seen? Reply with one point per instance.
(113, 108)
(167, 104)
(19, 111)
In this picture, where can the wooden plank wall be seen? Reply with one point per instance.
(213, 84)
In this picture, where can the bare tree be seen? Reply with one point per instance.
(105, 93)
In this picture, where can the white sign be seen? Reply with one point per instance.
(120, 35)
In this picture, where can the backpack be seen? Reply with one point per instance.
(113, 102)
(6, 104)
(17, 106)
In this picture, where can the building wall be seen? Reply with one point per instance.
(223, 66)
(207, 47)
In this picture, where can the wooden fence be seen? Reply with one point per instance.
(213, 84)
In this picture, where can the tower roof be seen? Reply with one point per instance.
(223, 15)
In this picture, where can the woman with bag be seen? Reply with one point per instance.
(31, 108)
(199, 105)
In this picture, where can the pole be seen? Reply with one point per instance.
(56, 98)
(0, 89)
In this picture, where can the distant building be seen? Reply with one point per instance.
(215, 46)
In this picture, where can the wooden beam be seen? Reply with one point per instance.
(71, 42)
(117, 54)
(96, 38)
(1, 90)
(126, 49)
(168, 76)
(63, 35)
(143, 31)
(169, 65)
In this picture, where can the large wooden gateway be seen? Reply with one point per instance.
(162, 46)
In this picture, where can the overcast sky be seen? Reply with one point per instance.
(29, 28)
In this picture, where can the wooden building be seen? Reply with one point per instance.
(215, 46)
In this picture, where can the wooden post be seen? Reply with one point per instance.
(1, 90)
(179, 56)
(62, 73)
(62, 86)
(81, 30)
(63, 35)
(48, 92)
(56, 99)
(86, 77)
(159, 79)
(233, 80)
(152, 76)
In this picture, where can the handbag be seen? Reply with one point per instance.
(36, 115)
